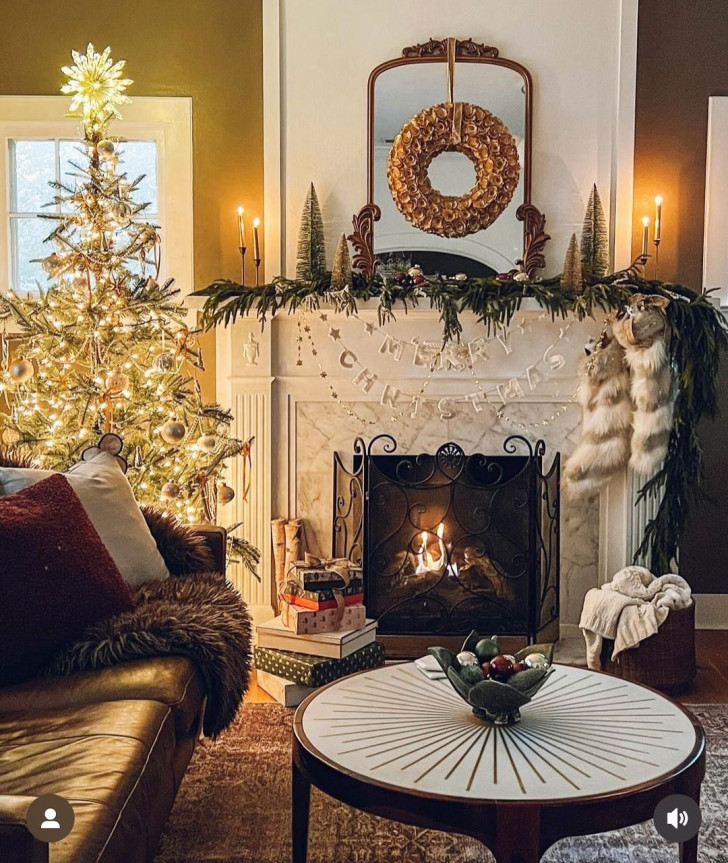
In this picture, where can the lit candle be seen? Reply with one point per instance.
(241, 228)
(256, 241)
(658, 218)
(645, 234)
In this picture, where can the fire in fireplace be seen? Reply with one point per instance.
(450, 542)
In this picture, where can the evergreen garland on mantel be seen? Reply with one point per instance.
(697, 335)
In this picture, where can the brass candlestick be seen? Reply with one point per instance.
(242, 250)
(657, 258)
(257, 271)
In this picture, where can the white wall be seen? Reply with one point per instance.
(577, 51)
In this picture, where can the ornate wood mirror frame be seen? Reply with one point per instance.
(466, 51)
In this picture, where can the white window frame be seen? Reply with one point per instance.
(166, 120)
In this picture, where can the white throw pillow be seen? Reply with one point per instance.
(109, 502)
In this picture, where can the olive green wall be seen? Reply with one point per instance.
(211, 51)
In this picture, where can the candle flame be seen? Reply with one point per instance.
(658, 200)
(645, 220)
(240, 211)
(256, 223)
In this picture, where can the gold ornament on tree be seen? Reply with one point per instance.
(116, 382)
(79, 281)
(571, 279)
(224, 493)
(173, 432)
(106, 148)
(594, 239)
(207, 442)
(311, 257)
(21, 370)
(164, 362)
(171, 490)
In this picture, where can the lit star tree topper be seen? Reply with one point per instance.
(105, 346)
(96, 85)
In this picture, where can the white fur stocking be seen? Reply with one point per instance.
(642, 334)
(605, 399)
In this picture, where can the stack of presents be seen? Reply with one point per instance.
(321, 634)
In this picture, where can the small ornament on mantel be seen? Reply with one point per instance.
(311, 257)
(341, 270)
(594, 239)
(571, 279)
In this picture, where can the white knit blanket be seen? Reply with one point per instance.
(629, 609)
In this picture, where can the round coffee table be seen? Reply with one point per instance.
(591, 753)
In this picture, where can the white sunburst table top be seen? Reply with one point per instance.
(583, 734)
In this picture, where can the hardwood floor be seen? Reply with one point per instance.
(711, 683)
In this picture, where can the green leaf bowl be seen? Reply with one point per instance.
(491, 700)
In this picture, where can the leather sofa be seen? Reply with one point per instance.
(114, 742)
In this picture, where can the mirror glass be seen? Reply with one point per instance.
(404, 91)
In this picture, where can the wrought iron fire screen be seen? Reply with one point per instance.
(452, 542)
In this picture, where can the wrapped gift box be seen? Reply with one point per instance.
(285, 692)
(306, 621)
(316, 670)
(322, 599)
(315, 573)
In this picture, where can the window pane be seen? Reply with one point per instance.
(140, 157)
(27, 235)
(33, 167)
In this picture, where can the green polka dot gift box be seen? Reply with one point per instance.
(316, 670)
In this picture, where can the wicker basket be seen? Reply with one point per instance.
(666, 661)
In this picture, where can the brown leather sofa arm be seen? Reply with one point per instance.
(17, 843)
(215, 538)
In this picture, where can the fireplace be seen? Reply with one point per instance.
(450, 542)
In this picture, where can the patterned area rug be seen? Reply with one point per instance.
(234, 806)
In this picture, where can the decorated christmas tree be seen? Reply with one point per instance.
(104, 346)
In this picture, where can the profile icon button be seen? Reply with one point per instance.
(50, 818)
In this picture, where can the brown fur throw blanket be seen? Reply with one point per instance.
(202, 618)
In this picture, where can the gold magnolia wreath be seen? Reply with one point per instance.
(467, 129)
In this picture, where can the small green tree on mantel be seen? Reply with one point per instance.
(311, 253)
(594, 239)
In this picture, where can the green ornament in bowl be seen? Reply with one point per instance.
(495, 685)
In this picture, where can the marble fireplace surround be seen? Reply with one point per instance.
(298, 426)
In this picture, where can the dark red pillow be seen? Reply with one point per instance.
(56, 576)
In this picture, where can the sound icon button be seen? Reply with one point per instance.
(677, 818)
